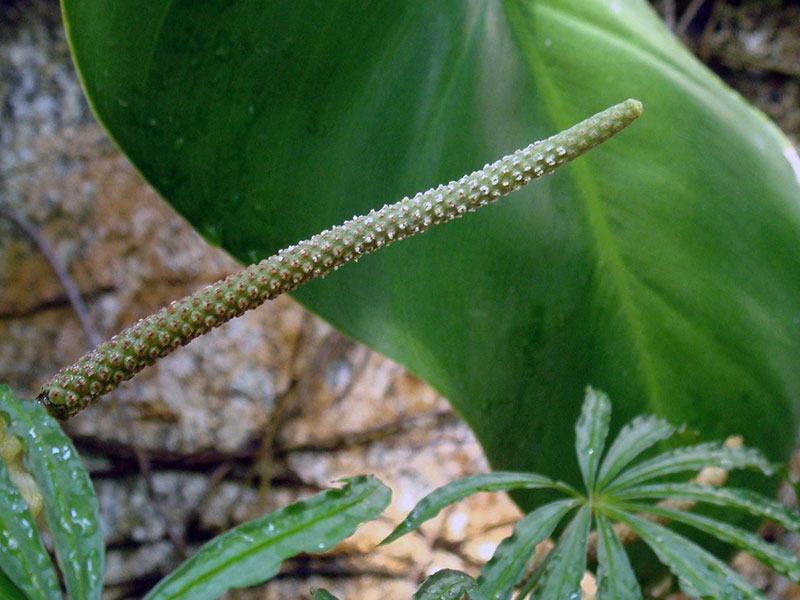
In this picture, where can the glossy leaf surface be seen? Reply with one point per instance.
(700, 574)
(252, 552)
(70, 504)
(590, 434)
(23, 557)
(566, 564)
(449, 584)
(506, 568)
(663, 268)
(692, 458)
(782, 561)
(633, 439)
(440, 498)
(615, 577)
(741, 499)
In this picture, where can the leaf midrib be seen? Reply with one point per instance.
(602, 238)
(256, 548)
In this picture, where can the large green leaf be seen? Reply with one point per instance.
(663, 268)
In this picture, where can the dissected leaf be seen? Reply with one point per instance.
(700, 574)
(505, 569)
(691, 458)
(70, 504)
(23, 557)
(785, 563)
(252, 552)
(634, 438)
(449, 584)
(742, 499)
(263, 123)
(591, 431)
(615, 577)
(442, 497)
(564, 569)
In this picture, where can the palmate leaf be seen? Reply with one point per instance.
(70, 504)
(565, 566)
(777, 558)
(449, 584)
(252, 552)
(442, 497)
(700, 574)
(633, 439)
(23, 556)
(263, 123)
(591, 431)
(505, 569)
(691, 458)
(615, 577)
(742, 499)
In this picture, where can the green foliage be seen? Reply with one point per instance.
(252, 552)
(24, 556)
(617, 491)
(664, 268)
(70, 507)
(248, 554)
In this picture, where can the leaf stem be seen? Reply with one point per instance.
(120, 358)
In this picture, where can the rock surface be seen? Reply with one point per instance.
(269, 408)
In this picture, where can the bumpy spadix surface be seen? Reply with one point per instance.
(124, 355)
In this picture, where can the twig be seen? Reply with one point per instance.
(669, 14)
(687, 16)
(71, 290)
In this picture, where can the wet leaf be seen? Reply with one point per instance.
(637, 436)
(70, 504)
(615, 577)
(23, 557)
(505, 569)
(778, 559)
(564, 569)
(449, 584)
(742, 499)
(590, 434)
(442, 497)
(252, 552)
(691, 458)
(700, 574)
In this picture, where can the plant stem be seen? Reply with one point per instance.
(153, 337)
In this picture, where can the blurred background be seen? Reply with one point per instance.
(275, 405)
